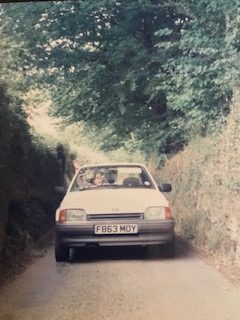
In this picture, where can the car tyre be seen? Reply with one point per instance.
(170, 249)
(61, 252)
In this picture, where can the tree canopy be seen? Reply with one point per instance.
(146, 70)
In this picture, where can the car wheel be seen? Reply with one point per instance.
(170, 248)
(61, 252)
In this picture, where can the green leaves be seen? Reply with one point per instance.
(133, 65)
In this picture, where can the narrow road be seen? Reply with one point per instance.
(119, 284)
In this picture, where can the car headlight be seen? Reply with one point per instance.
(72, 215)
(157, 213)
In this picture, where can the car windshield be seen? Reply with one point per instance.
(111, 177)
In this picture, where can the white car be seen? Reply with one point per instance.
(116, 204)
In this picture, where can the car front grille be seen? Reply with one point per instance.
(115, 216)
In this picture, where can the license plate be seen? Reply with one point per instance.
(116, 228)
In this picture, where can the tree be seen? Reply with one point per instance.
(158, 70)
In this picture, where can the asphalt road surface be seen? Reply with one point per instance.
(122, 283)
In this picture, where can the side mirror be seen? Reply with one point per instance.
(165, 187)
(61, 190)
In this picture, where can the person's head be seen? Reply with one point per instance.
(98, 178)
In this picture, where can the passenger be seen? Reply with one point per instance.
(99, 179)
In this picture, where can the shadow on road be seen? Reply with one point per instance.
(183, 251)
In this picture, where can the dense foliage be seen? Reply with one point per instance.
(149, 71)
(28, 168)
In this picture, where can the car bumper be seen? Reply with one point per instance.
(149, 233)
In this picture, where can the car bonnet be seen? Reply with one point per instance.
(114, 200)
